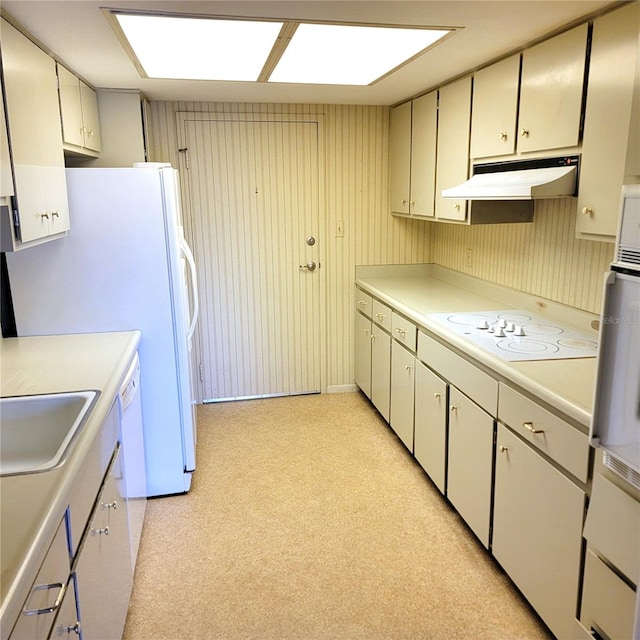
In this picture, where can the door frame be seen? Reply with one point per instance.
(182, 117)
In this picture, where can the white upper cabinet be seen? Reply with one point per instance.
(400, 158)
(79, 110)
(610, 146)
(423, 155)
(412, 156)
(453, 147)
(495, 109)
(33, 117)
(551, 92)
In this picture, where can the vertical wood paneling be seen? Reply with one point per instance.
(542, 258)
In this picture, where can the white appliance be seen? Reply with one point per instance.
(517, 335)
(615, 423)
(133, 458)
(124, 266)
(616, 414)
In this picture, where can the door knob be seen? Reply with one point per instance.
(310, 266)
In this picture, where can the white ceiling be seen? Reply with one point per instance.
(78, 34)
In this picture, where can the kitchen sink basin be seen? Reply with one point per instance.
(36, 432)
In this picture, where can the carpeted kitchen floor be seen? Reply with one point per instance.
(308, 520)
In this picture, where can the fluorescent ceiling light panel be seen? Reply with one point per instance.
(349, 54)
(199, 48)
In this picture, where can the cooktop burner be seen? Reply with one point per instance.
(519, 335)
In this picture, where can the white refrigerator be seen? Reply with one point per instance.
(125, 265)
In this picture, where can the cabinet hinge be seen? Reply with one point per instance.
(201, 372)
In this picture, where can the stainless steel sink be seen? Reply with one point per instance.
(36, 432)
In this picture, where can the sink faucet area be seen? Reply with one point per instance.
(36, 431)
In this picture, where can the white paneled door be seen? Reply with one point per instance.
(253, 200)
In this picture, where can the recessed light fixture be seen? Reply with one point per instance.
(212, 48)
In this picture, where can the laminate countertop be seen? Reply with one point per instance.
(415, 291)
(33, 505)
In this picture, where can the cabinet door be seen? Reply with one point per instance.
(551, 92)
(400, 157)
(423, 155)
(43, 603)
(103, 569)
(380, 370)
(470, 463)
(90, 120)
(495, 109)
(537, 531)
(430, 424)
(608, 120)
(55, 192)
(70, 107)
(363, 353)
(453, 147)
(6, 175)
(402, 393)
(68, 622)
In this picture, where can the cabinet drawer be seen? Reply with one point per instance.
(608, 603)
(545, 431)
(382, 315)
(473, 382)
(364, 302)
(404, 331)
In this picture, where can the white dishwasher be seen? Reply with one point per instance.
(132, 438)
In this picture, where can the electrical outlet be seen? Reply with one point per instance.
(340, 229)
(468, 258)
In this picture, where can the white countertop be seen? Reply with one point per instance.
(33, 505)
(419, 290)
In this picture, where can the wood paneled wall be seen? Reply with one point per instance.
(542, 258)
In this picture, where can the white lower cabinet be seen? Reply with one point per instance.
(42, 605)
(68, 622)
(362, 363)
(430, 424)
(402, 393)
(537, 530)
(103, 567)
(381, 370)
(470, 463)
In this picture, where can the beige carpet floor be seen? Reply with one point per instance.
(308, 520)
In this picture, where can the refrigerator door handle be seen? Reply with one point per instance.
(186, 250)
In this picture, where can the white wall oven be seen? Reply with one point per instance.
(610, 606)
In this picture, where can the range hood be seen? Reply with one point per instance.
(519, 180)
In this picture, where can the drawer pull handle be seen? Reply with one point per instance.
(380, 316)
(362, 303)
(54, 606)
(401, 331)
(109, 505)
(503, 449)
(529, 427)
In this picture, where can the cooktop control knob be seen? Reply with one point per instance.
(511, 327)
(483, 325)
(502, 323)
(519, 331)
(499, 332)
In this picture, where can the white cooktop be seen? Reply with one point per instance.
(517, 335)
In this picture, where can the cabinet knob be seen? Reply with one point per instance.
(55, 214)
(100, 532)
(407, 367)
(109, 505)
(456, 206)
(503, 449)
(437, 396)
(412, 202)
(524, 133)
(529, 427)
(503, 135)
(44, 215)
(453, 408)
(403, 202)
(74, 629)
(587, 211)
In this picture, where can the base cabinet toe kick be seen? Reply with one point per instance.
(517, 471)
